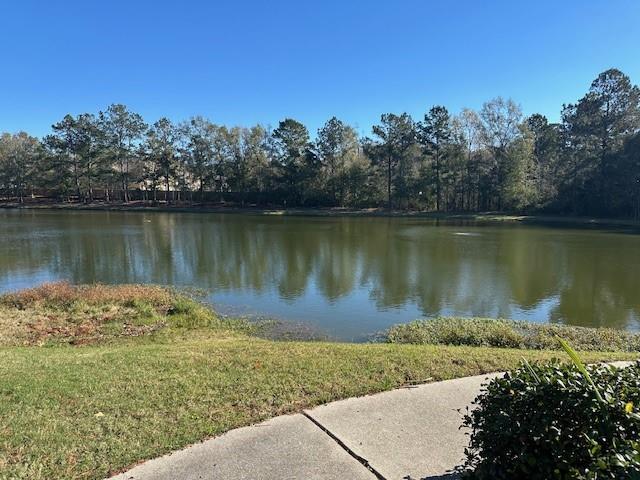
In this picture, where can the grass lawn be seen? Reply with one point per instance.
(97, 393)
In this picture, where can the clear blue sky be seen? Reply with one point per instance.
(260, 61)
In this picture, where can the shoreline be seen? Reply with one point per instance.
(127, 373)
(495, 217)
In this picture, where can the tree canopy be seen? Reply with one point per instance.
(491, 159)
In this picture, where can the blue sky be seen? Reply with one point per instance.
(241, 63)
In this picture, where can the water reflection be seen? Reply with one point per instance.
(350, 276)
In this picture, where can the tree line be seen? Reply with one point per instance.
(491, 159)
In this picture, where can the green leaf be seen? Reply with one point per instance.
(577, 361)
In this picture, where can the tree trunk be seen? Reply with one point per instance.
(389, 183)
(125, 189)
(76, 179)
(126, 178)
(437, 179)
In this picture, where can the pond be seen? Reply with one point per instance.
(345, 277)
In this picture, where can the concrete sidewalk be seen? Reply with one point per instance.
(405, 434)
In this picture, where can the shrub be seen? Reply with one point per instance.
(457, 331)
(490, 332)
(549, 422)
(186, 312)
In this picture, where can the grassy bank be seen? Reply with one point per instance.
(130, 372)
(485, 217)
(488, 332)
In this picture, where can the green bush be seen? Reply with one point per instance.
(549, 422)
(490, 332)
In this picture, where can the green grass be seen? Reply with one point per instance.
(490, 332)
(60, 313)
(92, 410)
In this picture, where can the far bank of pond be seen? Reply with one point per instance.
(329, 212)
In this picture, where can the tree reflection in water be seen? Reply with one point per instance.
(351, 276)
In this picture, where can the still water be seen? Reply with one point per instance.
(344, 277)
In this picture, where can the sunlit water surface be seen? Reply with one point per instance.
(344, 277)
